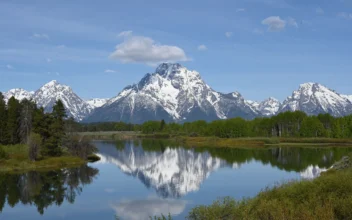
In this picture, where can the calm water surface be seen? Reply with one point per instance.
(137, 179)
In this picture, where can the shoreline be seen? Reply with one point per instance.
(251, 142)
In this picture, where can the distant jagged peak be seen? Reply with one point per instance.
(19, 94)
(54, 84)
(170, 70)
(165, 68)
(271, 99)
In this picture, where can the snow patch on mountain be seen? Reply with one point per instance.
(97, 102)
(268, 107)
(19, 94)
(348, 97)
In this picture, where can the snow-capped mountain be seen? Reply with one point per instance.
(97, 102)
(172, 93)
(314, 98)
(349, 97)
(172, 173)
(269, 107)
(19, 94)
(48, 94)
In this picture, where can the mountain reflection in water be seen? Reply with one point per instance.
(175, 171)
(44, 189)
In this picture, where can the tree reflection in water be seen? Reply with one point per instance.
(43, 189)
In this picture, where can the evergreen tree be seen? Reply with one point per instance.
(57, 129)
(3, 120)
(162, 125)
(13, 117)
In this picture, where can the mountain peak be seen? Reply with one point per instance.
(166, 69)
(314, 98)
(19, 94)
(272, 99)
(52, 83)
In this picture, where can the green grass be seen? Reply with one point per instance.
(17, 160)
(327, 197)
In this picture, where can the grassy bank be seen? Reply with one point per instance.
(14, 158)
(220, 142)
(260, 142)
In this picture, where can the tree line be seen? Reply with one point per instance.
(46, 134)
(286, 124)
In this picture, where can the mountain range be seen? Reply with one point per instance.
(174, 93)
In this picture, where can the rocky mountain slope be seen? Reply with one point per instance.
(49, 93)
(97, 102)
(172, 93)
(19, 94)
(314, 98)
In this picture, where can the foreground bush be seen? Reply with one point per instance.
(34, 143)
(3, 154)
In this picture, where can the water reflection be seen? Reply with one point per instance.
(175, 171)
(44, 189)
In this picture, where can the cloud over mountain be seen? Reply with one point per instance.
(141, 49)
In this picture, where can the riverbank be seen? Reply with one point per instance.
(221, 142)
(14, 158)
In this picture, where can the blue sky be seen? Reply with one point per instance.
(260, 48)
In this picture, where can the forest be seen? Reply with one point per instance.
(40, 134)
(286, 124)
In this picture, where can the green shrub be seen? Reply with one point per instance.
(3, 154)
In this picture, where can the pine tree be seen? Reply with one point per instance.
(57, 129)
(162, 125)
(3, 120)
(13, 117)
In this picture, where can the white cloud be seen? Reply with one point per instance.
(345, 15)
(109, 71)
(140, 49)
(228, 34)
(142, 209)
(48, 60)
(292, 22)
(40, 36)
(319, 11)
(125, 34)
(8, 66)
(240, 10)
(274, 23)
(202, 47)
